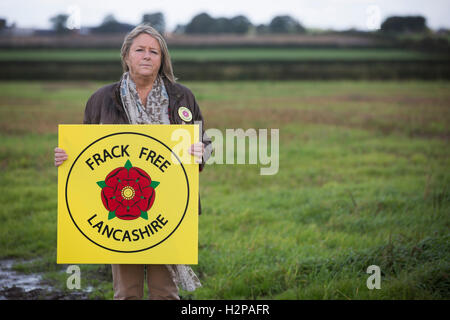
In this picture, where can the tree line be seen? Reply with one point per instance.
(203, 23)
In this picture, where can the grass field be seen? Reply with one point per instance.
(364, 180)
(229, 54)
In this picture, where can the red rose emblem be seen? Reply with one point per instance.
(128, 192)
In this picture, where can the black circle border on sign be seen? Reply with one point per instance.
(122, 251)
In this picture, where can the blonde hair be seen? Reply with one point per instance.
(166, 64)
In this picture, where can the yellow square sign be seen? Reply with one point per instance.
(128, 194)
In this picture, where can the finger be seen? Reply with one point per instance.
(61, 155)
(59, 150)
(197, 153)
(196, 149)
(199, 150)
(197, 145)
(192, 151)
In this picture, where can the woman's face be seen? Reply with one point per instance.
(144, 57)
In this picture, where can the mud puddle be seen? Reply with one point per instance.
(20, 286)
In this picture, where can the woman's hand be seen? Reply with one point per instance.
(197, 150)
(60, 156)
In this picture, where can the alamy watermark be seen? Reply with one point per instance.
(74, 17)
(373, 17)
(74, 280)
(374, 280)
(235, 146)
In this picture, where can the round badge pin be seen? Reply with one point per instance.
(185, 114)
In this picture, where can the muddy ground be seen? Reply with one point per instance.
(18, 293)
(19, 286)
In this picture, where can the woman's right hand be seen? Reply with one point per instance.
(60, 156)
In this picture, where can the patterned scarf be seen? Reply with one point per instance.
(156, 110)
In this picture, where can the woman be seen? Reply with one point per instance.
(146, 94)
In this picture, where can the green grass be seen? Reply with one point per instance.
(363, 180)
(229, 54)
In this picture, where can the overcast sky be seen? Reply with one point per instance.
(335, 14)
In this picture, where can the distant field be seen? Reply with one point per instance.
(213, 64)
(363, 180)
(231, 54)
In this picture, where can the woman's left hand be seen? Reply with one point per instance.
(197, 150)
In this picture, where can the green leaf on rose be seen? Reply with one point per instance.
(101, 184)
(154, 184)
(128, 165)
